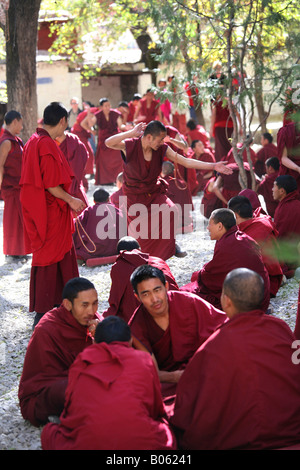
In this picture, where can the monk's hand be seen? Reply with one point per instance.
(77, 205)
(92, 325)
(221, 167)
(138, 130)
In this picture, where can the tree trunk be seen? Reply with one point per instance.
(21, 62)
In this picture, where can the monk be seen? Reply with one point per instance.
(11, 150)
(98, 228)
(108, 162)
(197, 132)
(113, 399)
(179, 193)
(144, 151)
(230, 157)
(205, 155)
(228, 186)
(47, 204)
(267, 151)
(241, 389)
(210, 201)
(59, 337)
(233, 249)
(148, 109)
(264, 232)
(115, 196)
(122, 301)
(132, 106)
(76, 154)
(265, 186)
(83, 128)
(171, 325)
(288, 144)
(287, 218)
(221, 128)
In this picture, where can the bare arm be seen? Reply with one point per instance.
(116, 141)
(217, 189)
(5, 148)
(286, 161)
(197, 164)
(77, 205)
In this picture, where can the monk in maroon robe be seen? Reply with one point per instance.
(76, 154)
(197, 132)
(210, 200)
(221, 128)
(83, 129)
(170, 325)
(113, 399)
(47, 204)
(228, 186)
(146, 191)
(288, 144)
(266, 185)
(11, 149)
(148, 109)
(58, 338)
(264, 232)
(267, 151)
(287, 218)
(108, 161)
(98, 228)
(179, 193)
(205, 155)
(241, 389)
(233, 249)
(230, 157)
(122, 301)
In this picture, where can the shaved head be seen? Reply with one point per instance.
(245, 288)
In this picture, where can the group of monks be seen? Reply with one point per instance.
(199, 366)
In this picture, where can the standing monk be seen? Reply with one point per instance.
(11, 149)
(108, 162)
(144, 151)
(46, 203)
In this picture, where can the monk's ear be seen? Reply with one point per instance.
(67, 304)
(167, 285)
(136, 296)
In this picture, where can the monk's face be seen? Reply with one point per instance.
(156, 141)
(215, 229)
(199, 148)
(153, 295)
(84, 306)
(278, 193)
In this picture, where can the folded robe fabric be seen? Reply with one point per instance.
(113, 402)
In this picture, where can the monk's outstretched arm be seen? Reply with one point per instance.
(220, 167)
(286, 161)
(116, 141)
(76, 204)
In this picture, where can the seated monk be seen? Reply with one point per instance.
(265, 186)
(59, 336)
(241, 389)
(180, 195)
(170, 325)
(122, 301)
(114, 198)
(98, 228)
(287, 220)
(233, 249)
(200, 152)
(264, 232)
(267, 151)
(210, 201)
(113, 399)
(228, 186)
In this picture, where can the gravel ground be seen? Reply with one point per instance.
(15, 433)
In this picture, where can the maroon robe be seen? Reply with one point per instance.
(122, 301)
(230, 157)
(241, 389)
(108, 161)
(180, 194)
(148, 113)
(199, 134)
(231, 185)
(85, 135)
(201, 175)
(264, 232)
(52, 348)
(265, 189)
(98, 231)
(297, 323)
(234, 250)
(13, 227)
(223, 129)
(115, 197)
(191, 321)
(209, 201)
(77, 156)
(288, 136)
(113, 401)
(287, 216)
(146, 191)
(47, 220)
(267, 151)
